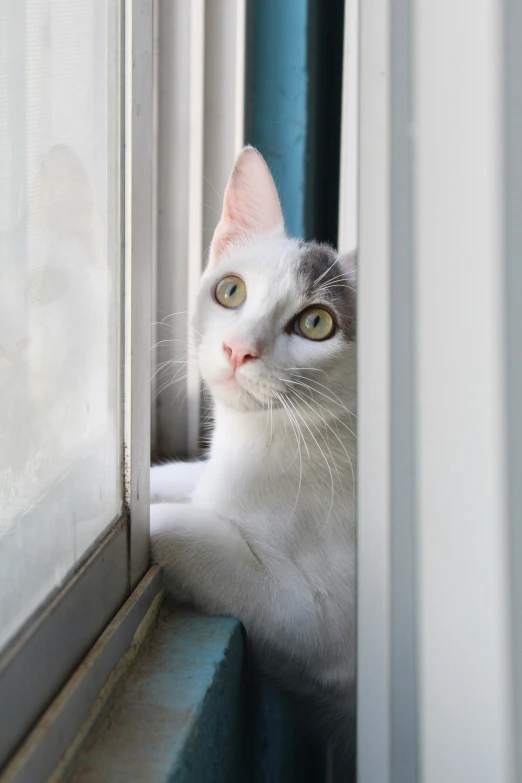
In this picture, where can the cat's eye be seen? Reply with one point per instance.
(315, 324)
(230, 291)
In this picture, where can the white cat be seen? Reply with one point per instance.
(264, 529)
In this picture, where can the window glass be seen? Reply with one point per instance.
(60, 260)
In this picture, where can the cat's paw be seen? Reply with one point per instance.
(171, 531)
(170, 544)
(165, 518)
(163, 524)
(174, 481)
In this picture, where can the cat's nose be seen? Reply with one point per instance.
(239, 354)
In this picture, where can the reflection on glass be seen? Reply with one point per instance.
(60, 237)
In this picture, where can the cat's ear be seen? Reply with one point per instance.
(251, 205)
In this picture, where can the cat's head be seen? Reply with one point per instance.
(275, 316)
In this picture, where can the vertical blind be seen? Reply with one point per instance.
(200, 82)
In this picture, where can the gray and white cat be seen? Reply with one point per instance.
(264, 528)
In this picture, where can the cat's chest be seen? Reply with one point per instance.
(236, 485)
(278, 491)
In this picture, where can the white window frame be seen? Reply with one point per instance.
(47, 650)
(439, 389)
(347, 240)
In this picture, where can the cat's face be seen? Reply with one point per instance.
(272, 312)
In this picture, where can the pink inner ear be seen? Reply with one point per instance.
(250, 207)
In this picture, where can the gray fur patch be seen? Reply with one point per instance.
(330, 279)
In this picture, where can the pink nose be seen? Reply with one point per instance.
(239, 355)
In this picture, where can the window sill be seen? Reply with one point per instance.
(166, 696)
(177, 716)
(193, 710)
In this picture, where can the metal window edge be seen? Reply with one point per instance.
(46, 651)
(139, 245)
(51, 746)
(44, 655)
(373, 394)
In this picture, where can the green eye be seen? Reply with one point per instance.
(315, 324)
(230, 291)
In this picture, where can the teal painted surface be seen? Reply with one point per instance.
(193, 710)
(281, 750)
(212, 748)
(177, 715)
(277, 120)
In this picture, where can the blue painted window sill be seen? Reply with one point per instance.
(191, 710)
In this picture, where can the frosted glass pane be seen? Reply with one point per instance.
(60, 239)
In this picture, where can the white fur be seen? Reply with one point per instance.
(175, 481)
(264, 529)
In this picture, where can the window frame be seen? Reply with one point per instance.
(347, 239)
(439, 370)
(37, 663)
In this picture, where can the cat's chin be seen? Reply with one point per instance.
(234, 395)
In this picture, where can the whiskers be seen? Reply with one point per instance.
(316, 413)
(298, 436)
(269, 418)
(174, 371)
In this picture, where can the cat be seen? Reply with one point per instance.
(263, 529)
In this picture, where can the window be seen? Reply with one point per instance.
(60, 267)
(119, 123)
(76, 152)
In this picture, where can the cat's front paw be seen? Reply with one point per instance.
(168, 540)
(202, 554)
(174, 481)
(167, 525)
